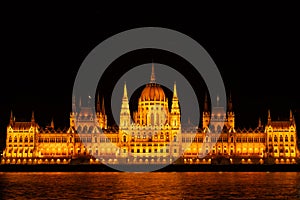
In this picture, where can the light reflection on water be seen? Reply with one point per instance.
(150, 185)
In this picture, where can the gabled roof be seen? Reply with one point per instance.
(21, 125)
(280, 124)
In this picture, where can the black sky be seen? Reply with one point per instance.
(255, 48)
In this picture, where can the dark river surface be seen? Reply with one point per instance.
(150, 185)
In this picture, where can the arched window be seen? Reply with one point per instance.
(31, 139)
(26, 139)
(15, 139)
(124, 138)
(84, 129)
(286, 139)
(9, 139)
(91, 129)
(219, 129)
(152, 119)
(275, 138)
(292, 138)
(281, 138)
(157, 119)
(175, 138)
(21, 139)
(270, 139)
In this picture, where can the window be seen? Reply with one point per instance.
(15, 139)
(270, 139)
(175, 150)
(286, 139)
(281, 138)
(292, 138)
(275, 138)
(9, 139)
(21, 139)
(26, 139)
(102, 140)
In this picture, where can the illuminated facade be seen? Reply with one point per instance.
(153, 134)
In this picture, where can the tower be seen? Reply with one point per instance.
(230, 114)
(101, 118)
(175, 111)
(206, 113)
(125, 113)
(73, 113)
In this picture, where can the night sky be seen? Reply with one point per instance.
(255, 49)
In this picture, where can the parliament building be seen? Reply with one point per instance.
(152, 134)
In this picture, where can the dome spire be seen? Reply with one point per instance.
(125, 92)
(152, 79)
(175, 91)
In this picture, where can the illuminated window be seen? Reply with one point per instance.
(292, 138)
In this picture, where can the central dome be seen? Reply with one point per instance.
(153, 92)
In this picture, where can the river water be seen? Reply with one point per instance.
(150, 185)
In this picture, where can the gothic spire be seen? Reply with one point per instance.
(11, 117)
(291, 115)
(152, 79)
(32, 117)
(73, 104)
(125, 91)
(229, 105)
(103, 106)
(98, 104)
(205, 103)
(175, 91)
(52, 123)
(259, 122)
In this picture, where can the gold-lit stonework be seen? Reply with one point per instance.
(153, 134)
